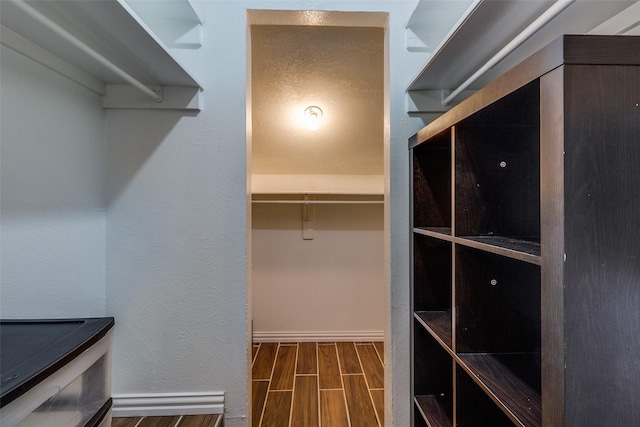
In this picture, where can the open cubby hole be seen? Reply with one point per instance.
(432, 274)
(475, 408)
(433, 372)
(432, 183)
(497, 168)
(498, 311)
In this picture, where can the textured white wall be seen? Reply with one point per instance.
(176, 222)
(332, 284)
(52, 229)
(177, 231)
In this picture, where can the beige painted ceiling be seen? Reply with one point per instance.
(339, 69)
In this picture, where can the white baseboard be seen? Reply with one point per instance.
(357, 336)
(163, 404)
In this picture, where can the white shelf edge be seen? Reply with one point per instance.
(153, 61)
(445, 69)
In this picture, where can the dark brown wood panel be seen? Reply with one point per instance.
(209, 420)
(158, 422)
(361, 410)
(263, 365)
(333, 410)
(349, 363)
(371, 365)
(305, 402)
(277, 409)
(518, 400)
(552, 224)
(329, 369)
(431, 411)
(307, 358)
(258, 397)
(284, 368)
(602, 244)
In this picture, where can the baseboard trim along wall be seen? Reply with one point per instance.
(163, 404)
(357, 336)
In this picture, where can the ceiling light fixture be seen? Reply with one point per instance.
(312, 117)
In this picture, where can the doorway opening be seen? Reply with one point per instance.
(317, 161)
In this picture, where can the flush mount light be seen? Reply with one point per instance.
(312, 116)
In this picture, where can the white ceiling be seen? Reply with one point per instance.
(341, 70)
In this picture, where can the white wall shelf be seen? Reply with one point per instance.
(488, 26)
(104, 40)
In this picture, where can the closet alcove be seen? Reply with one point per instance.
(317, 195)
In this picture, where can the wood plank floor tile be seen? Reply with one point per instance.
(371, 365)
(329, 369)
(307, 358)
(349, 363)
(380, 348)
(277, 409)
(305, 402)
(158, 422)
(284, 368)
(378, 403)
(258, 397)
(125, 421)
(333, 410)
(263, 364)
(361, 410)
(209, 420)
(254, 351)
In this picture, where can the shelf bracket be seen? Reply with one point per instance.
(308, 219)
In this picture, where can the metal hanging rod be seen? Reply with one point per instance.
(321, 202)
(157, 97)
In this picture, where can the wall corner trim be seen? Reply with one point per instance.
(164, 404)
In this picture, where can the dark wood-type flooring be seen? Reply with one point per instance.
(177, 421)
(304, 385)
(318, 385)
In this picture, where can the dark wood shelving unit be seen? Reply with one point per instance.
(525, 210)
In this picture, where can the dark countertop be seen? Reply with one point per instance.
(31, 350)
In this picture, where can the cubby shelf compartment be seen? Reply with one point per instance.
(433, 377)
(431, 412)
(515, 397)
(438, 324)
(497, 169)
(475, 407)
(432, 183)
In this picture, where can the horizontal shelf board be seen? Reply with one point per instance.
(115, 34)
(519, 401)
(438, 324)
(437, 232)
(523, 250)
(470, 44)
(431, 411)
(317, 184)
